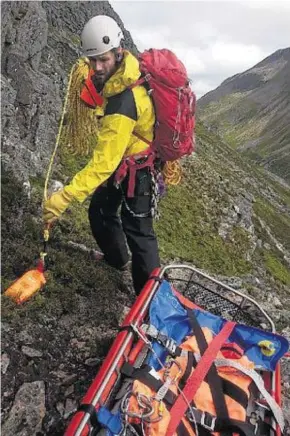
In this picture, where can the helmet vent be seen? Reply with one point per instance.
(106, 40)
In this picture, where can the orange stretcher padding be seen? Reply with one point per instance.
(203, 398)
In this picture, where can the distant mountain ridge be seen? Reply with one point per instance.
(251, 111)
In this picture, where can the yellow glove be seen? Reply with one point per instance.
(56, 205)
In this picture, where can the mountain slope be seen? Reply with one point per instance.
(227, 217)
(251, 111)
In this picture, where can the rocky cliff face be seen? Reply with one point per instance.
(251, 110)
(233, 222)
(40, 43)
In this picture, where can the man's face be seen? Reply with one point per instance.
(104, 66)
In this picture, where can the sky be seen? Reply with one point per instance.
(214, 39)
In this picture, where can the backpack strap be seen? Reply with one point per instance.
(142, 138)
(195, 380)
(139, 82)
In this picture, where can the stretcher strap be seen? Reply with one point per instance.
(259, 382)
(212, 377)
(197, 377)
(225, 387)
(191, 363)
(218, 424)
(90, 409)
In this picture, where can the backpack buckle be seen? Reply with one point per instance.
(208, 421)
(147, 77)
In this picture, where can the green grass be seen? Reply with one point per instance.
(278, 222)
(191, 214)
(187, 230)
(276, 268)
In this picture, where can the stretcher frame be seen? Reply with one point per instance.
(119, 352)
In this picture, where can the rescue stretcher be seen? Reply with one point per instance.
(103, 405)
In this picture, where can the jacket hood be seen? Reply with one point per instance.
(127, 74)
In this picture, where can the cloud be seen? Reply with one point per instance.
(236, 55)
(214, 39)
(191, 57)
(201, 87)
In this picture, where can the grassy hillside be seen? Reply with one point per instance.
(216, 182)
(251, 112)
(226, 217)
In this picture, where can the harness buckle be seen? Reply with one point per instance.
(171, 346)
(210, 424)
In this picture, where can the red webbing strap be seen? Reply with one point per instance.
(193, 383)
(133, 167)
(130, 165)
(89, 93)
(140, 81)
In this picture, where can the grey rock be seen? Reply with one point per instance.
(224, 229)
(59, 374)
(5, 328)
(286, 412)
(77, 344)
(60, 408)
(71, 378)
(286, 333)
(40, 42)
(259, 243)
(27, 189)
(31, 352)
(69, 390)
(5, 360)
(236, 209)
(25, 337)
(277, 303)
(70, 407)
(28, 410)
(92, 361)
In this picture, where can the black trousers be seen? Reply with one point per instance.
(135, 225)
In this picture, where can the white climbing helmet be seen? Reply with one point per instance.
(100, 34)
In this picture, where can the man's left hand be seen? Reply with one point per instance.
(55, 206)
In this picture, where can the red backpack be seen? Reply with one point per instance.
(174, 103)
(173, 99)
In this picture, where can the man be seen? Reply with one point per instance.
(128, 117)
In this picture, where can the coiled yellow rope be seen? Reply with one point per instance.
(75, 133)
(172, 173)
(81, 127)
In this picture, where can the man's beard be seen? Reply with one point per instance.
(99, 82)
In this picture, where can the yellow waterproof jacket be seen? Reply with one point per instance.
(125, 110)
